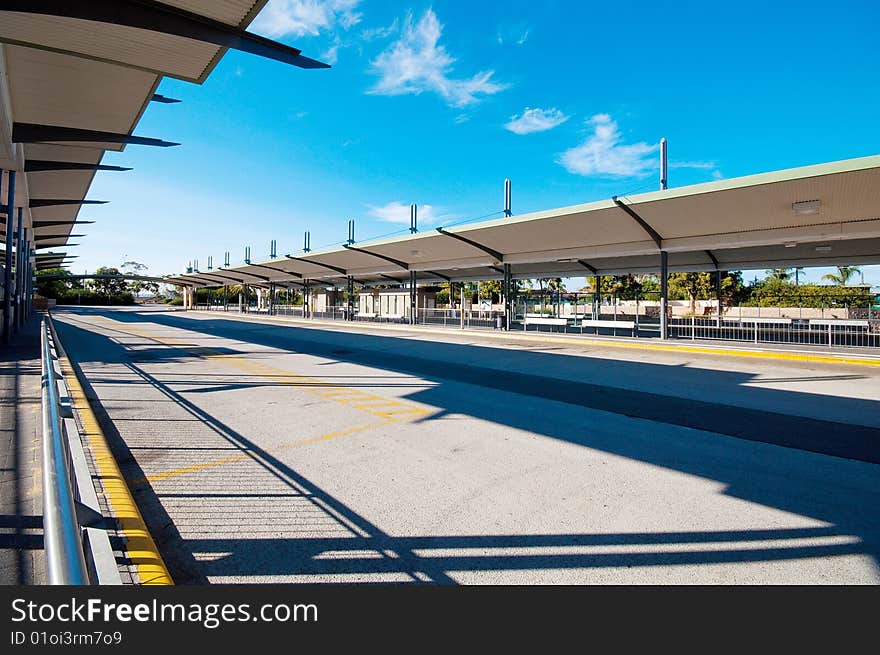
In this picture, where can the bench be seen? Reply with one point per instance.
(838, 321)
(604, 323)
(530, 320)
(763, 321)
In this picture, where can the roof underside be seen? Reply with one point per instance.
(744, 223)
(89, 75)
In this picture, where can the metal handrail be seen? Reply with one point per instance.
(62, 534)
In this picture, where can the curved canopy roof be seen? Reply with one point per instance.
(810, 216)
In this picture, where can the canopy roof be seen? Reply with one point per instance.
(818, 215)
(94, 65)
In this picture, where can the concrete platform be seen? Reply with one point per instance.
(22, 560)
(270, 452)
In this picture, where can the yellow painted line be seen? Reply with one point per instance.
(245, 456)
(396, 412)
(513, 336)
(341, 394)
(141, 548)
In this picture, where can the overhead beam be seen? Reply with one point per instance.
(162, 18)
(440, 275)
(39, 224)
(497, 269)
(52, 202)
(587, 266)
(479, 246)
(655, 236)
(40, 165)
(259, 277)
(214, 275)
(327, 266)
(713, 258)
(34, 133)
(280, 270)
(391, 260)
(165, 100)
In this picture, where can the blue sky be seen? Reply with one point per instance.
(437, 103)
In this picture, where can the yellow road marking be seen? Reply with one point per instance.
(395, 412)
(250, 455)
(140, 546)
(341, 394)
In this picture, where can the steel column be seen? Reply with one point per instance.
(664, 289)
(506, 289)
(350, 299)
(7, 264)
(19, 274)
(413, 298)
(718, 296)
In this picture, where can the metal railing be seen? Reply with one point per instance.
(846, 333)
(62, 533)
(75, 536)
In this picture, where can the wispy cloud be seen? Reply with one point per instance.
(602, 153)
(705, 165)
(305, 17)
(331, 55)
(535, 120)
(397, 212)
(380, 32)
(416, 63)
(517, 34)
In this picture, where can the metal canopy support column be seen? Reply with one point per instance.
(597, 297)
(307, 298)
(717, 285)
(7, 264)
(350, 299)
(21, 249)
(664, 289)
(19, 273)
(413, 299)
(506, 288)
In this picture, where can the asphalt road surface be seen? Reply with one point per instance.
(263, 452)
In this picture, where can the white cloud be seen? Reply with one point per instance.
(705, 165)
(717, 175)
(331, 56)
(380, 32)
(523, 38)
(305, 17)
(535, 120)
(397, 212)
(416, 63)
(603, 154)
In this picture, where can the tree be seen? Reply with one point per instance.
(136, 286)
(778, 274)
(109, 287)
(843, 275)
(702, 285)
(692, 285)
(52, 288)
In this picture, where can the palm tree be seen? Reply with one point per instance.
(779, 274)
(843, 275)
